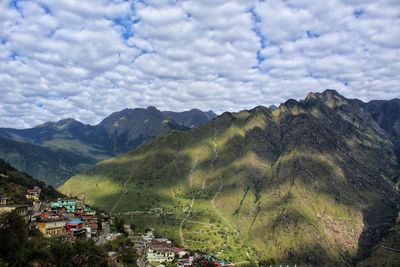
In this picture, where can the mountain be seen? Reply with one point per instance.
(51, 165)
(192, 118)
(14, 184)
(313, 182)
(387, 252)
(129, 128)
(55, 151)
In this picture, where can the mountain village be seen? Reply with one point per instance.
(71, 219)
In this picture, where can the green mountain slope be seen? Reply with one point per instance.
(312, 182)
(14, 184)
(56, 151)
(52, 165)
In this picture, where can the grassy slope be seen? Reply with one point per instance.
(51, 164)
(283, 186)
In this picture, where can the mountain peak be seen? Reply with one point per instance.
(329, 97)
(64, 123)
(325, 94)
(152, 108)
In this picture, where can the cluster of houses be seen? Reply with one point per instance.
(69, 218)
(158, 252)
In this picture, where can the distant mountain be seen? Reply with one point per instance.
(313, 182)
(129, 128)
(192, 118)
(54, 151)
(53, 165)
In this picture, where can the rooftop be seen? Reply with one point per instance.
(74, 222)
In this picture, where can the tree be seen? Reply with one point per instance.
(13, 237)
(119, 225)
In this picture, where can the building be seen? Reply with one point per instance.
(68, 204)
(75, 229)
(52, 227)
(180, 252)
(185, 262)
(3, 199)
(148, 236)
(19, 209)
(160, 251)
(34, 193)
(22, 210)
(89, 211)
(90, 222)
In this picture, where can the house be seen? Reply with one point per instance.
(75, 229)
(68, 204)
(49, 215)
(148, 236)
(128, 229)
(34, 193)
(185, 262)
(22, 210)
(3, 199)
(19, 209)
(90, 222)
(180, 252)
(52, 227)
(160, 251)
(89, 211)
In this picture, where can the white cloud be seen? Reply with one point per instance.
(86, 59)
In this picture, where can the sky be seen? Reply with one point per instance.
(87, 59)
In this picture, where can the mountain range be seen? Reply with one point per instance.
(312, 182)
(55, 151)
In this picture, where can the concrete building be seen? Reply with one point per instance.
(75, 229)
(160, 251)
(68, 204)
(52, 227)
(20, 209)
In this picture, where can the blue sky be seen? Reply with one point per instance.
(86, 59)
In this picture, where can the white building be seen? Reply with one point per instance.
(160, 251)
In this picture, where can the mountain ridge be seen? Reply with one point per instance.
(58, 142)
(312, 182)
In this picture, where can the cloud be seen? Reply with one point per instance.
(87, 59)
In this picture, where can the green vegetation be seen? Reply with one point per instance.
(308, 183)
(14, 184)
(55, 151)
(20, 248)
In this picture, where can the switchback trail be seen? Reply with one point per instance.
(197, 193)
(221, 185)
(124, 193)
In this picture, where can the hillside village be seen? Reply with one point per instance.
(70, 219)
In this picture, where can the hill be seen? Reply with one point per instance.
(14, 184)
(55, 151)
(311, 182)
